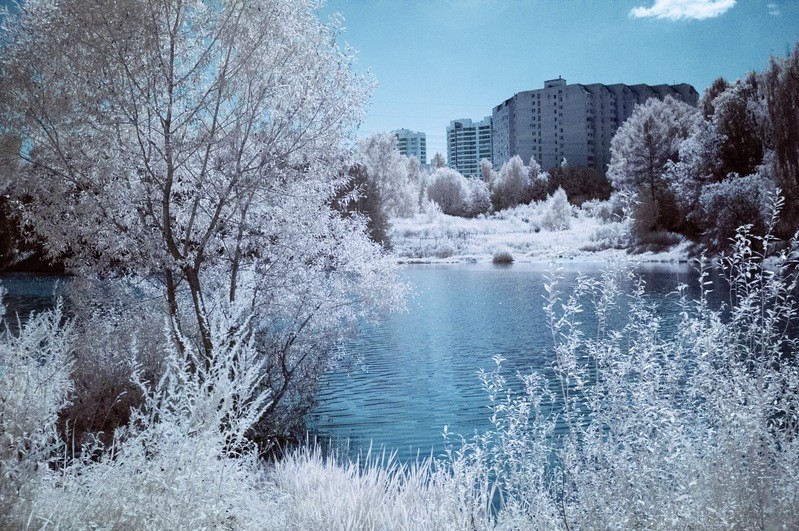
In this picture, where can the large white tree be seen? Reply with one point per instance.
(198, 144)
(646, 142)
(641, 152)
(450, 191)
(390, 172)
(513, 184)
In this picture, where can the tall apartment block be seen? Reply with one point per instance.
(573, 122)
(412, 144)
(467, 143)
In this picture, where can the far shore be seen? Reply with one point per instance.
(443, 239)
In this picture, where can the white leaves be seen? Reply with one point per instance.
(450, 191)
(557, 212)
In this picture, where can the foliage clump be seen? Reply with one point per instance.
(503, 257)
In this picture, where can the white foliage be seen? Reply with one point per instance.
(632, 429)
(35, 385)
(199, 145)
(479, 197)
(487, 172)
(512, 185)
(450, 190)
(182, 460)
(698, 163)
(734, 202)
(646, 142)
(557, 212)
(396, 177)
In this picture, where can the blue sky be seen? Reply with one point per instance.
(440, 60)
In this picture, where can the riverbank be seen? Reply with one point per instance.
(439, 238)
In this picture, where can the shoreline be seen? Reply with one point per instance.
(450, 240)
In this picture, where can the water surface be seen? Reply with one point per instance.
(420, 368)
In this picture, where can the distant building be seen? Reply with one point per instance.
(412, 144)
(467, 143)
(573, 122)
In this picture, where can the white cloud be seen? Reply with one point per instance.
(773, 9)
(683, 9)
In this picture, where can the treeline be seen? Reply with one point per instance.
(384, 184)
(705, 172)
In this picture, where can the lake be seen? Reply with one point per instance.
(418, 370)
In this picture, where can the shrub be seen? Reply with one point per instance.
(450, 191)
(557, 212)
(503, 257)
(730, 204)
(612, 235)
(183, 459)
(35, 385)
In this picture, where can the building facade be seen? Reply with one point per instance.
(467, 143)
(412, 144)
(572, 122)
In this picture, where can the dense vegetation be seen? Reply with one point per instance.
(188, 161)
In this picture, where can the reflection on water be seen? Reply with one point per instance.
(421, 367)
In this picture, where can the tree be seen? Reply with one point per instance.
(539, 181)
(557, 212)
(388, 168)
(9, 224)
(512, 186)
(642, 148)
(197, 145)
(706, 103)
(781, 85)
(741, 118)
(479, 197)
(361, 197)
(698, 165)
(438, 161)
(487, 171)
(450, 191)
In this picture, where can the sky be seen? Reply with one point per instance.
(442, 60)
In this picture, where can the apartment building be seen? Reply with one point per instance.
(573, 122)
(412, 144)
(467, 143)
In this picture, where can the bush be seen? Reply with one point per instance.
(612, 235)
(557, 212)
(730, 204)
(182, 460)
(450, 191)
(35, 386)
(503, 257)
